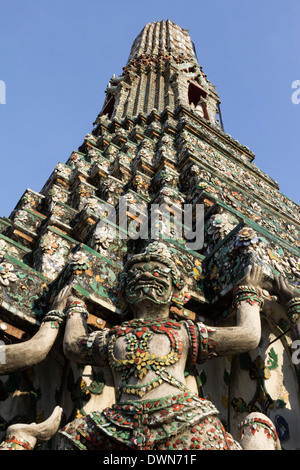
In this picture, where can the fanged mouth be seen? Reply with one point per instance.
(135, 287)
(142, 284)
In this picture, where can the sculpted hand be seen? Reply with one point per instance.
(72, 298)
(60, 301)
(254, 277)
(284, 290)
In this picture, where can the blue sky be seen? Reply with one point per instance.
(56, 58)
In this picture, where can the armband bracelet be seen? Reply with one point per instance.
(88, 343)
(247, 294)
(194, 343)
(77, 306)
(293, 309)
(255, 423)
(56, 317)
(14, 443)
(206, 344)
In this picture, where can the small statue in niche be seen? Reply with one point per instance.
(154, 409)
(200, 108)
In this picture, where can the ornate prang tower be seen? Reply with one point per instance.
(159, 139)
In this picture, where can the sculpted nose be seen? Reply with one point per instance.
(146, 276)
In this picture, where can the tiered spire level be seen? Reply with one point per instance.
(161, 72)
(163, 38)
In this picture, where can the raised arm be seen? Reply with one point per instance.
(289, 298)
(16, 357)
(247, 333)
(79, 345)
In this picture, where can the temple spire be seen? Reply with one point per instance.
(162, 72)
(162, 37)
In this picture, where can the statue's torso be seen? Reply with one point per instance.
(148, 358)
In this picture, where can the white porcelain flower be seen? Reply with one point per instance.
(295, 266)
(7, 274)
(219, 225)
(79, 259)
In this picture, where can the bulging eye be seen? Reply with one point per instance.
(156, 271)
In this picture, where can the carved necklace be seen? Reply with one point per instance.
(139, 360)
